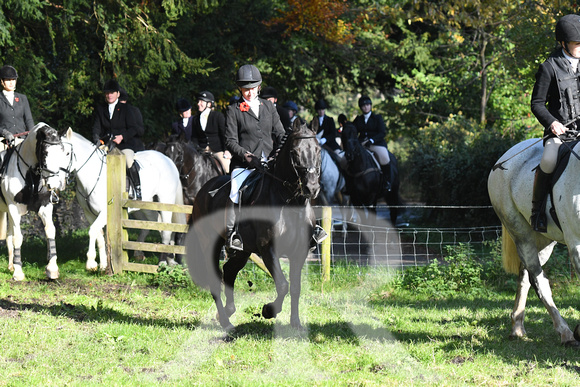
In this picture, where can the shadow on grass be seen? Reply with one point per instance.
(490, 333)
(82, 313)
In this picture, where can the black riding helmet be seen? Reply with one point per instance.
(206, 96)
(364, 100)
(182, 105)
(248, 77)
(8, 72)
(269, 92)
(568, 30)
(320, 104)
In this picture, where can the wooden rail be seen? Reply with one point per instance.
(118, 222)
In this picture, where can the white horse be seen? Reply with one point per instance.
(159, 182)
(36, 169)
(510, 190)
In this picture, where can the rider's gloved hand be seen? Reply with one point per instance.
(253, 161)
(8, 136)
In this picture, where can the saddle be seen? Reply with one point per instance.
(564, 153)
(253, 182)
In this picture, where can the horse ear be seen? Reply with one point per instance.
(315, 125)
(69, 133)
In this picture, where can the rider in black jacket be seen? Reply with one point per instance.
(555, 103)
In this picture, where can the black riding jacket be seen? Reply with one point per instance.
(556, 93)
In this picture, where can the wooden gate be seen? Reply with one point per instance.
(118, 221)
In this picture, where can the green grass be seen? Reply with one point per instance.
(360, 329)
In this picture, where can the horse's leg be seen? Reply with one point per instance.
(296, 265)
(166, 217)
(138, 255)
(15, 234)
(272, 309)
(45, 213)
(236, 262)
(215, 287)
(96, 237)
(518, 312)
(542, 287)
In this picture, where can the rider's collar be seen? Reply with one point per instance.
(573, 61)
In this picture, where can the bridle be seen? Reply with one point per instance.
(71, 175)
(41, 168)
(300, 171)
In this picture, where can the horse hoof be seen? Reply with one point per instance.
(18, 273)
(268, 311)
(52, 274)
(91, 266)
(572, 344)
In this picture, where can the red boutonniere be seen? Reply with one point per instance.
(16, 99)
(244, 107)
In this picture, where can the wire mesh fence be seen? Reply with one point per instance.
(360, 237)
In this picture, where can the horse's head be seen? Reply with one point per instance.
(54, 159)
(304, 154)
(174, 149)
(349, 137)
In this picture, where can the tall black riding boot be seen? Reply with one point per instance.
(233, 239)
(387, 175)
(134, 176)
(539, 220)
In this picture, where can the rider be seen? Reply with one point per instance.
(556, 106)
(15, 115)
(116, 120)
(326, 132)
(371, 132)
(208, 129)
(253, 130)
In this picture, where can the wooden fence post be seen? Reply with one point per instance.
(325, 245)
(115, 213)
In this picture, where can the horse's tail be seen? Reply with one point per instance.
(199, 261)
(178, 217)
(509, 253)
(3, 226)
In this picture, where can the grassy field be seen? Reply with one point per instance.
(360, 329)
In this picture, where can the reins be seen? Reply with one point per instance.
(500, 164)
(103, 162)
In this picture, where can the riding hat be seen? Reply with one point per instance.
(269, 92)
(320, 104)
(182, 105)
(290, 105)
(205, 96)
(8, 72)
(364, 100)
(248, 77)
(568, 28)
(111, 85)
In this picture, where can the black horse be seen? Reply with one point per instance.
(195, 167)
(275, 219)
(364, 180)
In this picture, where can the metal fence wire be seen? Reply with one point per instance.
(368, 240)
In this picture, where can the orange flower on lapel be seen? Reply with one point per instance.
(244, 107)
(16, 99)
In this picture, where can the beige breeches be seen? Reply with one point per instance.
(381, 153)
(550, 156)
